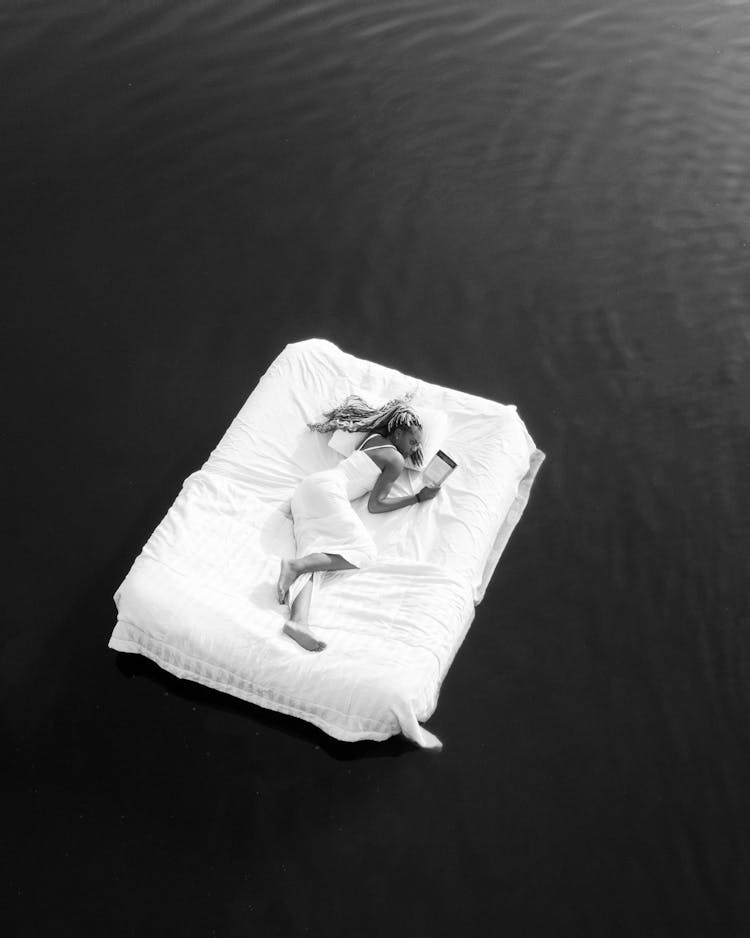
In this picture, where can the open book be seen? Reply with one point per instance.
(438, 469)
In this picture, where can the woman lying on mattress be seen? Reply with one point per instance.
(328, 532)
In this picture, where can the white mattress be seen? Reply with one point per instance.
(200, 598)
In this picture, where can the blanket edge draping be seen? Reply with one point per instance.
(179, 664)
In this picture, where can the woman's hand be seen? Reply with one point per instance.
(427, 493)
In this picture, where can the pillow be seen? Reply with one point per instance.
(434, 431)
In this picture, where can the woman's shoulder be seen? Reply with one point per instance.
(381, 451)
(374, 439)
(381, 443)
(388, 456)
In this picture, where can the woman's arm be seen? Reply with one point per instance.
(379, 503)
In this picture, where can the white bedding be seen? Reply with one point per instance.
(200, 598)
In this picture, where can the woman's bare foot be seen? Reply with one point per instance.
(302, 635)
(287, 576)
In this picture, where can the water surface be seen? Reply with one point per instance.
(543, 203)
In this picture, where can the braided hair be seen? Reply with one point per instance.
(355, 415)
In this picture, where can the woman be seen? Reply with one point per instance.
(328, 532)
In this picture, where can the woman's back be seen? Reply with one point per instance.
(358, 472)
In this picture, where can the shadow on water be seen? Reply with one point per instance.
(137, 666)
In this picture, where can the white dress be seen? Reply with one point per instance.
(324, 520)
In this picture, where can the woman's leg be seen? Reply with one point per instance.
(300, 611)
(291, 569)
(298, 627)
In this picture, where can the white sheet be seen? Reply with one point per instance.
(200, 598)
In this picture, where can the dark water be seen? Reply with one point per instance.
(544, 203)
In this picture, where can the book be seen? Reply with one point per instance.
(438, 469)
